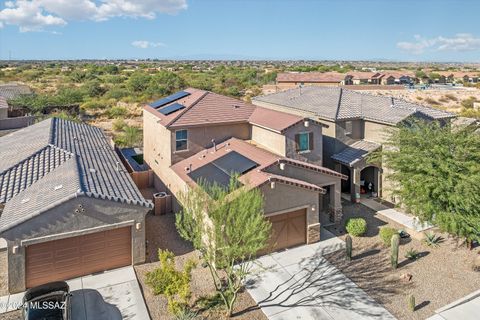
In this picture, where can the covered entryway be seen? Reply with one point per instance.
(77, 256)
(288, 229)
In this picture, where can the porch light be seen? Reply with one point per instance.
(272, 184)
(138, 226)
(314, 207)
(15, 249)
(282, 166)
(306, 123)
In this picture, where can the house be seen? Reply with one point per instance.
(294, 79)
(357, 126)
(364, 77)
(68, 206)
(196, 135)
(400, 77)
(10, 123)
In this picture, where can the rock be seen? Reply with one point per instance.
(476, 264)
(407, 277)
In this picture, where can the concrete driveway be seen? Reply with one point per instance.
(110, 295)
(300, 284)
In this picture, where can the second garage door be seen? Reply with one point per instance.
(288, 229)
(77, 256)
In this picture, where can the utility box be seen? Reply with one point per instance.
(162, 202)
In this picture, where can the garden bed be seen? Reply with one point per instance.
(161, 234)
(439, 276)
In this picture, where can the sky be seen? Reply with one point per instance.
(408, 30)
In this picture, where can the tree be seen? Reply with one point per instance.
(138, 82)
(435, 170)
(228, 227)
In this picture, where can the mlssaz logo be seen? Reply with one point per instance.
(46, 305)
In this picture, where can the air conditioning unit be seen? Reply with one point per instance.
(162, 203)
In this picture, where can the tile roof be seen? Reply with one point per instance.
(355, 152)
(255, 177)
(274, 120)
(57, 152)
(204, 108)
(13, 90)
(3, 103)
(311, 77)
(334, 103)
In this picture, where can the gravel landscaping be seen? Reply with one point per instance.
(161, 234)
(440, 276)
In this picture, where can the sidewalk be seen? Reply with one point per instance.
(466, 308)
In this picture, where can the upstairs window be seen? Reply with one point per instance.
(304, 142)
(181, 140)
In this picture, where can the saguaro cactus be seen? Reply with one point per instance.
(394, 248)
(411, 302)
(348, 247)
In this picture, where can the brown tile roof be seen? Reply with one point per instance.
(255, 177)
(204, 108)
(362, 74)
(3, 102)
(274, 120)
(311, 77)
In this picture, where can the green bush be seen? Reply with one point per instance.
(117, 111)
(119, 124)
(174, 284)
(386, 234)
(356, 226)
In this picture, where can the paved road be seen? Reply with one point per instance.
(300, 284)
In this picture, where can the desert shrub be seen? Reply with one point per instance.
(432, 240)
(411, 254)
(356, 226)
(174, 284)
(468, 103)
(94, 105)
(386, 234)
(119, 124)
(116, 93)
(432, 101)
(129, 137)
(117, 111)
(451, 97)
(419, 98)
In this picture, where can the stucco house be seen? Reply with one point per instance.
(68, 206)
(358, 124)
(198, 135)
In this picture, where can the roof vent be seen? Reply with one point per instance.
(235, 106)
(25, 200)
(58, 187)
(92, 170)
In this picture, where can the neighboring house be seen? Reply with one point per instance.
(69, 207)
(393, 77)
(14, 90)
(364, 77)
(357, 125)
(9, 123)
(294, 79)
(198, 135)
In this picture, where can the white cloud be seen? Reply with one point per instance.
(35, 15)
(460, 42)
(143, 44)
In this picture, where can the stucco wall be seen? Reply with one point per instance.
(287, 198)
(376, 132)
(156, 141)
(270, 140)
(314, 156)
(63, 222)
(200, 138)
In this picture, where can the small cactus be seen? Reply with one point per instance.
(348, 247)
(394, 248)
(411, 302)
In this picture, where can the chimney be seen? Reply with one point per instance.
(214, 145)
(118, 166)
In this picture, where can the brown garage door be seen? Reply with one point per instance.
(288, 229)
(77, 256)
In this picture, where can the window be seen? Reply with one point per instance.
(304, 141)
(181, 140)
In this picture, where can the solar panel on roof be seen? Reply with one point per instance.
(235, 163)
(167, 100)
(171, 108)
(210, 175)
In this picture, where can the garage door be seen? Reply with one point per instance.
(77, 256)
(288, 229)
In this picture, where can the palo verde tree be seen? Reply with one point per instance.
(435, 171)
(228, 227)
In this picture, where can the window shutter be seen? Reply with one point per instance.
(310, 140)
(297, 142)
